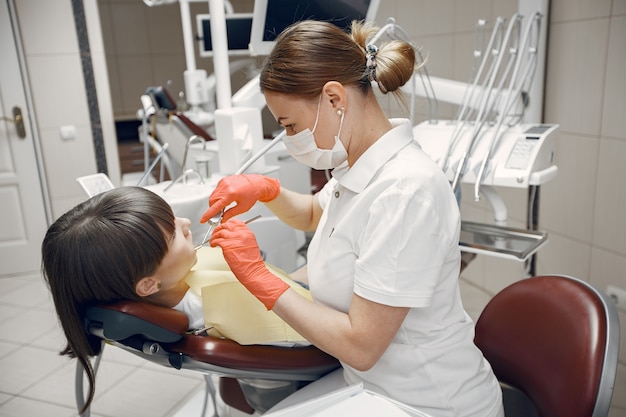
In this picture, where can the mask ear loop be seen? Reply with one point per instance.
(319, 104)
(341, 113)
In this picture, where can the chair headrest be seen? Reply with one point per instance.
(124, 319)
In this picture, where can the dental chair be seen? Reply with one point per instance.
(553, 343)
(253, 378)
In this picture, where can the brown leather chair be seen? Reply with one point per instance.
(553, 343)
(160, 335)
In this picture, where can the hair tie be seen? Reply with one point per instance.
(370, 53)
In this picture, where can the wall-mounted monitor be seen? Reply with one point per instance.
(238, 27)
(271, 17)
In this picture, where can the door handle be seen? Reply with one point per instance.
(18, 120)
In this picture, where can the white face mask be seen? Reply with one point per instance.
(303, 148)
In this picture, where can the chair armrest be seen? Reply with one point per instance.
(230, 354)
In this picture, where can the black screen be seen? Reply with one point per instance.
(282, 13)
(237, 31)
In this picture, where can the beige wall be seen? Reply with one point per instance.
(585, 92)
(583, 208)
(57, 84)
(144, 47)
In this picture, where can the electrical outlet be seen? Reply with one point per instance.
(618, 296)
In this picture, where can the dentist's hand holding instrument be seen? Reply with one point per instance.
(239, 246)
(245, 190)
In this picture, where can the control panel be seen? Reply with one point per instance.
(521, 155)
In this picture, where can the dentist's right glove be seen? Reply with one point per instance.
(245, 190)
(242, 254)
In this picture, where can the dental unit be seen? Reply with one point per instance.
(489, 144)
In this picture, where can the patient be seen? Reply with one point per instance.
(126, 244)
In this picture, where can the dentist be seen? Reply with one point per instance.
(384, 261)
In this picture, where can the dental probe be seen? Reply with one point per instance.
(207, 236)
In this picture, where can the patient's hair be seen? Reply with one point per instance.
(95, 253)
(308, 54)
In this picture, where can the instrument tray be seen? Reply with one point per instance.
(499, 241)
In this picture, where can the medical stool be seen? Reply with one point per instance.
(553, 343)
(253, 377)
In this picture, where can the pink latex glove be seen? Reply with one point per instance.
(245, 190)
(242, 254)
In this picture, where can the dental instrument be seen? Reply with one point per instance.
(213, 223)
(215, 220)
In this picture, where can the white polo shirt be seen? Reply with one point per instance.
(389, 233)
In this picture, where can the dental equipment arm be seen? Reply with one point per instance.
(191, 140)
(516, 84)
(468, 98)
(153, 164)
(241, 252)
(487, 102)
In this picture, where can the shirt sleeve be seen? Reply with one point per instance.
(191, 305)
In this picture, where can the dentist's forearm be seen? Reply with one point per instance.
(300, 211)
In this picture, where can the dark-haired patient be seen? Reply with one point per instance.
(127, 244)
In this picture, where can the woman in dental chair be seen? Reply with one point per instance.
(383, 264)
(126, 244)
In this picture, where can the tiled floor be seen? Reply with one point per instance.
(36, 381)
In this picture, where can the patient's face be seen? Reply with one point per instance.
(180, 257)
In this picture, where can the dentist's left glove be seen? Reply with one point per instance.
(245, 190)
(242, 254)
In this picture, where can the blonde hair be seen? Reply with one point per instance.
(309, 53)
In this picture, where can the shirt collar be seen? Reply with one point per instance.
(357, 177)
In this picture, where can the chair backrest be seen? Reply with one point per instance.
(556, 339)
